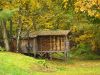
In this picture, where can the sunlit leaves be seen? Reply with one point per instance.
(92, 7)
(65, 2)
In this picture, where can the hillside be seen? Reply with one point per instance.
(18, 64)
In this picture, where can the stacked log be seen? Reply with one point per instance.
(51, 43)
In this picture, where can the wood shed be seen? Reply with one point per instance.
(50, 41)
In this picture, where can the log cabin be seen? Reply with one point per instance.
(41, 42)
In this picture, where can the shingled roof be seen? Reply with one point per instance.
(44, 33)
(51, 32)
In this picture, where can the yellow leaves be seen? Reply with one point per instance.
(98, 2)
(5, 5)
(35, 4)
(94, 13)
(74, 29)
(82, 33)
(83, 38)
(77, 9)
(82, 8)
(65, 5)
(49, 3)
(62, 26)
(65, 2)
(88, 6)
(97, 15)
(93, 43)
(94, 2)
(91, 13)
(79, 6)
(48, 25)
(78, 3)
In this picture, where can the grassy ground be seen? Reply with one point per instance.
(17, 64)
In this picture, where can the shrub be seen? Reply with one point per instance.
(2, 49)
(83, 51)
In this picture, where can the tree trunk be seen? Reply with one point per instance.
(18, 34)
(10, 33)
(19, 30)
(5, 37)
(10, 29)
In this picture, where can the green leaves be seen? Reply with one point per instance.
(6, 14)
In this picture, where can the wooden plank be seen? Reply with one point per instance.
(51, 43)
(65, 53)
(23, 46)
(31, 45)
(34, 46)
(50, 51)
(58, 43)
(50, 54)
(61, 43)
(39, 43)
(55, 42)
(66, 49)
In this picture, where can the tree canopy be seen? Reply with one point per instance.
(82, 17)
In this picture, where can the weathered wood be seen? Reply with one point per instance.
(23, 46)
(35, 47)
(65, 47)
(58, 43)
(51, 43)
(62, 43)
(34, 43)
(50, 51)
(55, 43)
(39, 46)
(50, 54)
(46, 44)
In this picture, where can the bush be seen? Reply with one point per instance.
(2, 49)
(83, 51)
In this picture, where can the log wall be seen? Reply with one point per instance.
(42, 44)
(51, 43)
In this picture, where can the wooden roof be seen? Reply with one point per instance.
(52, 32)
(44, 33)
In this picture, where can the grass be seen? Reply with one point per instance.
(78, 67)
(18, 64)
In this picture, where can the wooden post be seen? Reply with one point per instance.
(50, 54)
(66, 48)
(51, 43)
(35, 46)
(65, 53)
(54, 48)
(40, 42)
(55, 43)
(60, 42)
(65, 56)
